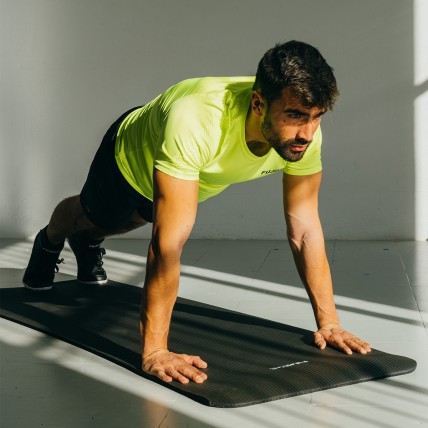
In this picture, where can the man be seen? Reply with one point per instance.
(158, 161)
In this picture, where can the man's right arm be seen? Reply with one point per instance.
(175, 205)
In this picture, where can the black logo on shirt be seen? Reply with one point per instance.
(270, 171)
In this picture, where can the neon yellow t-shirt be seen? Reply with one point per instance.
(195, 130)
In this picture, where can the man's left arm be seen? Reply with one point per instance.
(306, 239)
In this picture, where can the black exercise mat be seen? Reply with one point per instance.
(251, 360)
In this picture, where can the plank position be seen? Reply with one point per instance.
(157, 162)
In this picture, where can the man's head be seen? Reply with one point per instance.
(294, 87)
(300, 67)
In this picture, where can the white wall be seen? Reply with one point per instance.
(421, 118)
(69, 68)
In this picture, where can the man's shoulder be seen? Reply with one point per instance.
(202, 88)
(206, 98)
(210, 83)
(195, 109)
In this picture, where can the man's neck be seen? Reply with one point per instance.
(253, 136)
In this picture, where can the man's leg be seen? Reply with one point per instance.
(69, 221)
(86, 245)
(69, 218)
(135, 222)
(104, 207)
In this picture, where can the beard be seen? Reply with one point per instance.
(283, 148)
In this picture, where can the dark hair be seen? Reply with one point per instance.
(302, 68)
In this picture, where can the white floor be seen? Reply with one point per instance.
(381, 291)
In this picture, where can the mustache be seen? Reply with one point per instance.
(297, 141)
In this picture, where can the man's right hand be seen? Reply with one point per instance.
(169, 366)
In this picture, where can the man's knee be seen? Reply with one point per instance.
(81, 221)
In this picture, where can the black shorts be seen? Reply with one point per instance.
(107, 199)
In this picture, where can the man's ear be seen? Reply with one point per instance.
(258, 104)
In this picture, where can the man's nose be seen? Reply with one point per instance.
(307, 130)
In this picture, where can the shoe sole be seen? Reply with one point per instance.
(37, 288)
(99, 282)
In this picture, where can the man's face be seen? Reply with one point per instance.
(288, 127)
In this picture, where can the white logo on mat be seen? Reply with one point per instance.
(286, 366)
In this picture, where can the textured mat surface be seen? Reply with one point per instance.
(251, 360)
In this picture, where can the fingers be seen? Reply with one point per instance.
(319, 340)
(181, 374)
(197, 362)
(353, 343)
(358, 345)
(340, 339)
(189, 372)
(163, 376)
(169, 366)
(336, 339)
(338, 342)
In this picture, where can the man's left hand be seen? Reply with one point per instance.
(336, 337)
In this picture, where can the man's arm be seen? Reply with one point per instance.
(175, 206)
(300, 194)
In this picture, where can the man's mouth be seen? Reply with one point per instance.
(298, 147)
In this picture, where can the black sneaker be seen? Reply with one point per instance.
(43, 265)
(89, 256)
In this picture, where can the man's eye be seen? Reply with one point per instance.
(295, 116)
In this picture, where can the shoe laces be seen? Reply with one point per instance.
(58, 262)
(100, 252)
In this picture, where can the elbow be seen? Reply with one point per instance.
(165, 251)
(296, 239)
(304, 234)
(297, 231)
(166, 248)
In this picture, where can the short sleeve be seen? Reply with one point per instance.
(187, 139)
(311, 162)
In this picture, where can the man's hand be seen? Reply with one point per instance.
(169, 366)
(335, 336)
